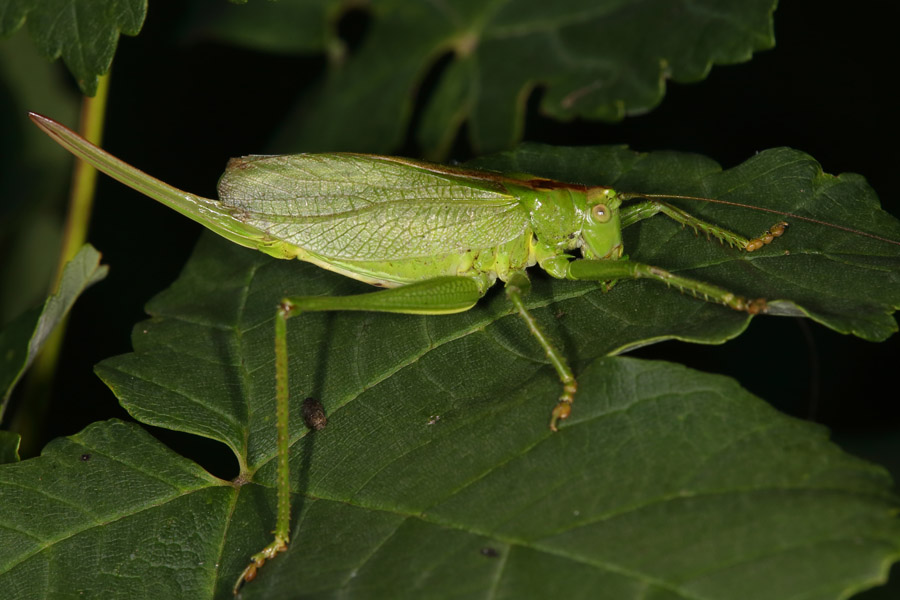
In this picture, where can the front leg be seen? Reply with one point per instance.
(648, 208)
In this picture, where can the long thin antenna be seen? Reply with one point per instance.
(629, 196)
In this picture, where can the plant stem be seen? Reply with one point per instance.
(29, 420)
(84, 180)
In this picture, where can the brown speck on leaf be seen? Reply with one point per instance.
(237, 163)
(314, 414)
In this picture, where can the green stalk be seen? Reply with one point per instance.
(29, 419)
(84, 181)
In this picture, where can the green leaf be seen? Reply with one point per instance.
(83, 32)
(110, 507)
(293, 26)
(667, 483)
(595, 60)
(22, 339)
(436, 474)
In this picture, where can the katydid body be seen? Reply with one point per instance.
(438, 237)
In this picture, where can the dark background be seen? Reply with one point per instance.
(827, 89)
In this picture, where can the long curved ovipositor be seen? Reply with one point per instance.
(209, 213)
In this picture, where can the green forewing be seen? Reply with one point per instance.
(355, 207)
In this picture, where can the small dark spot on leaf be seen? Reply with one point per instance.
(85, 457)
(489, 552)
(314, 414)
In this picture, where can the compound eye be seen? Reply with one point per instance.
(601, 213)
